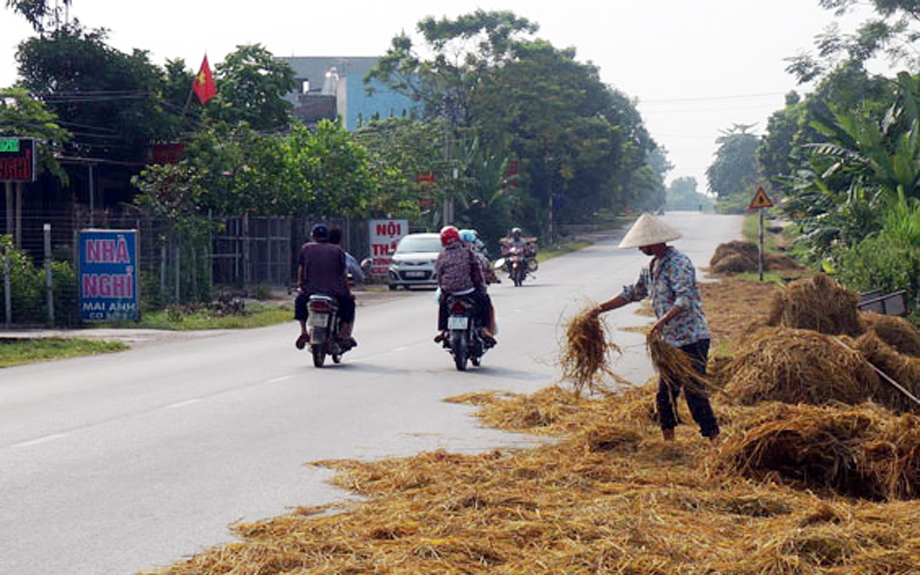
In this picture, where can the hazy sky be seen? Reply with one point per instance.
(696, 67)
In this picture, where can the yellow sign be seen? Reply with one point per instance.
(761, 200)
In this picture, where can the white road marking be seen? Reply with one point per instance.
(45, 439)
(282, 378)
(183, 403)
(403, 348)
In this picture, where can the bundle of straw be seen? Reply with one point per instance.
(818, 303)
(673, 365)
(586, 351)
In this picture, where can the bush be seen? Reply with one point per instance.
(880, 263)
(27, 287)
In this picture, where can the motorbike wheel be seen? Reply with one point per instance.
(336, 358)
(458, 348)
(518, 277)
(319, 355)
(475, 361)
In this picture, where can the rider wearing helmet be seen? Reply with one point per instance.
(458, 271)
(322, 270)
(471, 240)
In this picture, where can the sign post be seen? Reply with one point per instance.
(108, 275)
(760, 201)
(17, 166)
(383, 235)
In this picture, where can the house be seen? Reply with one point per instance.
(330, 87)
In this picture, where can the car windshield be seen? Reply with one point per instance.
(419, 244)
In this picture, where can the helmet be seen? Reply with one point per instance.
(516, 232)
(449, 234)
(320, 232)
(467, 236)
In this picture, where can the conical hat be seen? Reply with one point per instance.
(648, 231)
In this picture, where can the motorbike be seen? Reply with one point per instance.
(323, 323)
(519, 265)
(464, 342)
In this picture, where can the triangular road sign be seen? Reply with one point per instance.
(761, 200)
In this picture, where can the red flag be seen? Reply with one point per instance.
(204, 83)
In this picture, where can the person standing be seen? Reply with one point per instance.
(322, 270)
(670, 281)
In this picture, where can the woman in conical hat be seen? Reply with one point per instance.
(670, 281)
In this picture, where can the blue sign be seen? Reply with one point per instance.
(108, 275)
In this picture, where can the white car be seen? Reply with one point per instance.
(412, 263)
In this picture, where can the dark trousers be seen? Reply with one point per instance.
(346, 307)
(697, 400)
(483, 309)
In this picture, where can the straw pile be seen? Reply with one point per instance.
(893, 330)
(903, 369)
(818, 303)
(586, 352)
(798, 366)
(608, 497)
(735, 257)
(861, 452)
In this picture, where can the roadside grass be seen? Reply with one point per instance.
(257, 315)
(22, 351)
(556, 250)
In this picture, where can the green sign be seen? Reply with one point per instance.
(9, 144)
(17, 160)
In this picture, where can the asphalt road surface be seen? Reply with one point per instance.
(133, 461)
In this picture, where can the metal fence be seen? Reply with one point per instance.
(242, 253)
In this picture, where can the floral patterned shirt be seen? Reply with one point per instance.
(671, 282)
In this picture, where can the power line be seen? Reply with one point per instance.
(712, 98)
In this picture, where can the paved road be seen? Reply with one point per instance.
(131, 461)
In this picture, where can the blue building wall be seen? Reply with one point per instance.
(383, 103)
(358, 107)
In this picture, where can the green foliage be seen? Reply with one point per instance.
(25, 351)
(114, 98)
(682, 195)
(334, 167)
(251, 85)
(889, 260)
(23, 116)
(28, 292)
(39, 13)
(891, 34)
(398, 149)
(734, 170)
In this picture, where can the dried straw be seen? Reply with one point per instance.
(893, 330)
(673, 365)
(818, 303)
(586, 352)
(798, 366)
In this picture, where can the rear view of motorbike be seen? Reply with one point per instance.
(463, 342)
(323, 323)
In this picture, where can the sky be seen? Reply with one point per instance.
(695, 67)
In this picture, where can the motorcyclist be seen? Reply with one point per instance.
(351, 264)
(470, 238)
(459, 272)
(322, 269)
(518, 241)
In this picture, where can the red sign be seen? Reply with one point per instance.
(425, 178)
(167, 153)
(17, 160)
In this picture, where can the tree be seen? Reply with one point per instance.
(251, 85)
(683, 195)
(398, 151)
(39, 13)
(892, 33)
(334, 167)
(111, 100)
(734, 170)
